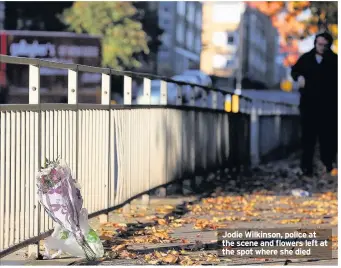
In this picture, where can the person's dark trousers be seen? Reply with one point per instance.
(308, 138)
(328, 137)
(318, 123)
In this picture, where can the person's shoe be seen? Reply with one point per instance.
(328, 179)
(329, 173)
(334, 172)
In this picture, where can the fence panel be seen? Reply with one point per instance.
(117, 152)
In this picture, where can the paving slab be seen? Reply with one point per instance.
(258, 199)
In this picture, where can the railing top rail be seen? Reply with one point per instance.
(92, 69)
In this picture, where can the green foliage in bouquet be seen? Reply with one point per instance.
(48, 163)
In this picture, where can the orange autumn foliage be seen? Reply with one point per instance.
(267, 8)
(287, 24)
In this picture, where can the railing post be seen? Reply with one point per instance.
(34, 84)
(35, 138)
(249, 106)
(277, 129)
(179, 185)
(192, 97)
(192, 140)
(73, 99)
(72, 86)
(162, 192)
(127, 90)
(147, 90)
(228, 103)
(163, 93)
(106, 89)
(218, 129)
(259, 107)
(254, 134)
(128, 82)
(204, 99)
(147, 96)
(105, 100)
(214, 100)
(241, 105)
(235, 103)
(178, 95)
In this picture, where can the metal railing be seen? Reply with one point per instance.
(115, 151)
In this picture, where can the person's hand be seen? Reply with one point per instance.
(301, 81)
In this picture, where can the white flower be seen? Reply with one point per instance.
(45, 172)
(78, 186)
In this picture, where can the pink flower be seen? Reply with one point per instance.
(53, 172)
(55, 178)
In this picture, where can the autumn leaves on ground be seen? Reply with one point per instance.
(184, 233)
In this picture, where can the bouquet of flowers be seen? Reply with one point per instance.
(60, 196)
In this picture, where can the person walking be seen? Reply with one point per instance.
(316, 74)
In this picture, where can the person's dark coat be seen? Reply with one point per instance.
(320, 88)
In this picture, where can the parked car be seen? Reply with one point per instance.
(203, 78)
(187, 90)
(190, 76)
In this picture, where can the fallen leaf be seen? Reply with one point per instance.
(151, 217)
(176, 225)
(334, 221)
(111, 254)
(170, 258)
(139, 215)
(162, 221)
(106, 238)
(262, 259)
(290, 221)
(318, 221)
(333, 238)
(212, 258)
(139, 240)
(202, 224)
(147, 257)
(119, 247)
(127, 255)
(162, 235)
(186, 261)
(159, 254)
(163, 210)
(154, 262)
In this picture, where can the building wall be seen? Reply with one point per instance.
(181, 22)
(221, 42)
(262, 47)
(220, 26)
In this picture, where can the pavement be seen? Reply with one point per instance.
(181, 229)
